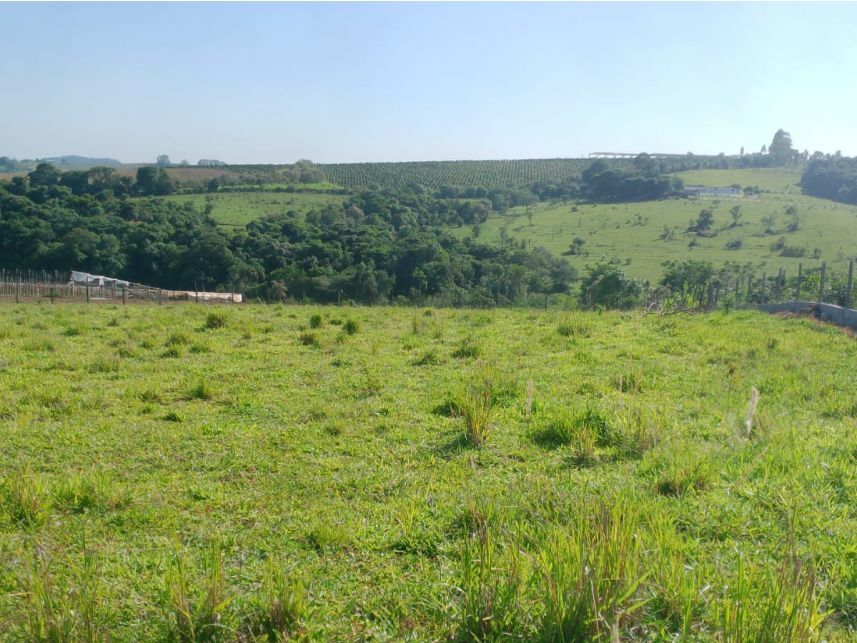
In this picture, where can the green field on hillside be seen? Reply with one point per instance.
(239, 208)
(434, 174)
(644, 235)
(769, 179)
(249, 473)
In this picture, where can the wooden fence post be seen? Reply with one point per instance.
(821, 282)
(17, 290)
(749, 287)
(87, 292)
(762, 296)
(850, 281)
(159, 296)
(123, 294)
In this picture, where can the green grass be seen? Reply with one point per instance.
(631, 232)
(266, 488)
(780, 180)
(239, 208)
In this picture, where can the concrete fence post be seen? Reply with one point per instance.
(850, 281)
(799, 280)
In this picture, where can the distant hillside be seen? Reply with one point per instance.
(73, 161)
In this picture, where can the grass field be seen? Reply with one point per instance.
(239, 208)
(632, 232)
(191, 473)
(779, 180)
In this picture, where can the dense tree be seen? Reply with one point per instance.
(780, 150)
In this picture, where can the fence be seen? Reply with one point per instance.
(742, 287)
(30, 285)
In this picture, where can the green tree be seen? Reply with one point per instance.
(45, 175)
(780, 151)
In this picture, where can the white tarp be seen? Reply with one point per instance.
(85, 279)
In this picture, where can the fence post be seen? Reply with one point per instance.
(821, 282)
(87, 292)
(17, 290)
(799, 279)
(123, 294)
(749, 287)
(762, 296)
(159, 296)
(850, 280)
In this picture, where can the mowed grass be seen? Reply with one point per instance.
(239, 208)
(633, 233)
(192, 473)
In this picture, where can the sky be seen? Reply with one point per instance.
(331, 82)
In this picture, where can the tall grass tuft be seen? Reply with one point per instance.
(591, 574)
(475, 407)
(54, 612)
(203, 617)
(316, 321)
(215, 320)
(26, 498)
(786, 607)
(491, 592)
(281, 610)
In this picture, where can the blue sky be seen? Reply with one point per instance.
(335, 82)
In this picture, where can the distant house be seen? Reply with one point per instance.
(702, 190)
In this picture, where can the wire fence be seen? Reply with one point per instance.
(731, 288)
(39, 285)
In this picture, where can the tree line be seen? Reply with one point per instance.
(374, 247)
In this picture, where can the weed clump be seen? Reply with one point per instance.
(281, 610)
(202, 390)
(27, 500)
(351, 326)
(309, 339)
(429, 358)
(316, 321)
(215, 320)
(467, 348)
(475, 407)
(203, 617)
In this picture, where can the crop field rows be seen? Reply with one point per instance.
(177, 473)
(434, 174)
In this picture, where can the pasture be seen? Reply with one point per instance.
(248, 473)
(239, 208)
(644, 235)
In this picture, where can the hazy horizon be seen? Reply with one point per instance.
(273, 83)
